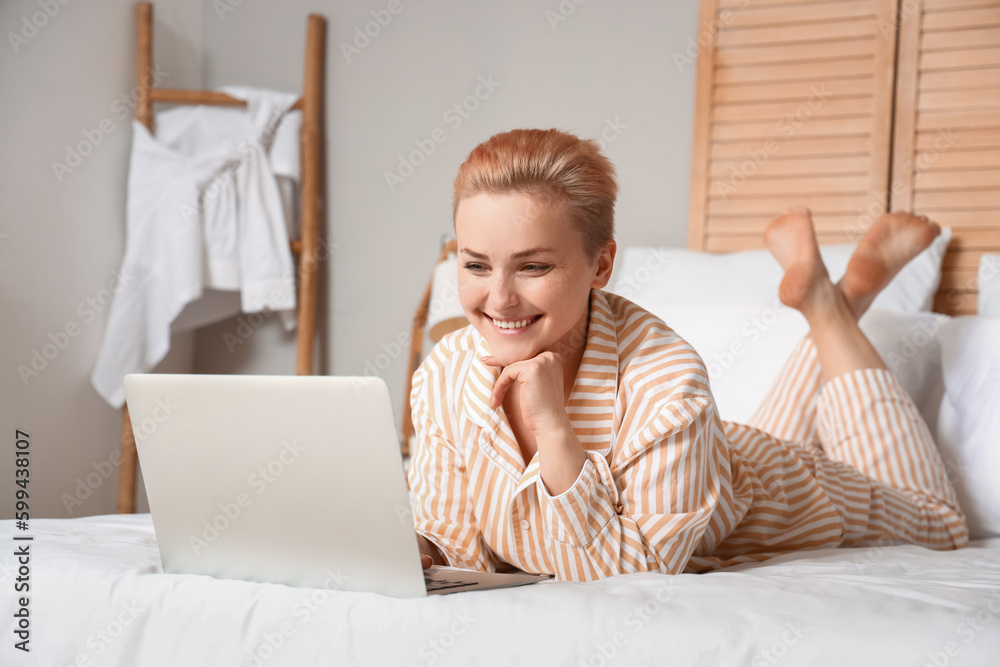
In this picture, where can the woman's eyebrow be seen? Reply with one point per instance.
(516, 255)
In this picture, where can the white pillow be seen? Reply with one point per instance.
(751, 277)
(910, 345)
(969, 423)
(950, 368)
(989, 285)
(745, 347)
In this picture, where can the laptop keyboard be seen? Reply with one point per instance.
(442, 584)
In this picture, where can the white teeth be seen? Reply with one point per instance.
(513, 325)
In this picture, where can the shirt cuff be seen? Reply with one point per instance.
(579, 514)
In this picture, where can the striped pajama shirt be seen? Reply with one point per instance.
(668, 486)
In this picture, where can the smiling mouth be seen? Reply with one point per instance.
(514, 325)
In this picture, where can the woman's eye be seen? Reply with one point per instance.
(474, 267)
(536, 267)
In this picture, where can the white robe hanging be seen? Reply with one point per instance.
(207, 235)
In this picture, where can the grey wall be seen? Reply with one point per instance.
(607, 64)
(70, 85)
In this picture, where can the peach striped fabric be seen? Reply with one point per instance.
(667, 485)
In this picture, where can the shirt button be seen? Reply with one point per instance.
(524, 524)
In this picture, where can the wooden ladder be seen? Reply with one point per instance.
(312, 140)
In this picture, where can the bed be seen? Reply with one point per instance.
(99, 599)
(98, 595)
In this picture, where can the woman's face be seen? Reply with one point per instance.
(524, 279)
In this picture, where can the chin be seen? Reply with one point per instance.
(507, 359)
(507, 352)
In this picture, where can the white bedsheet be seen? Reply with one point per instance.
(98, 597)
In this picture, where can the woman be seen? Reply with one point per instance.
(569, 432)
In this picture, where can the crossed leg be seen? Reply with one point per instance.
(836, 393)
(788, 411)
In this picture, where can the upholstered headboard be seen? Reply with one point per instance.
(852, 108)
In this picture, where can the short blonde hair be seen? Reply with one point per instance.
(550, 164)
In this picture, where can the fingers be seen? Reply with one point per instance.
(427, 551)
(545, 366)
(503, 383)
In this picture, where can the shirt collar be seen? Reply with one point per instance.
(591, 404)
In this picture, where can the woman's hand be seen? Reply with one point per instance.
(429, 554)
(541, 400)
(540, 391)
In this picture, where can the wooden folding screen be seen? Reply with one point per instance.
(793, 107)
(808, 102)
(312, 140)
(946, 157)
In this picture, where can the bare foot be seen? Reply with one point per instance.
(792, 241)
(887, 247)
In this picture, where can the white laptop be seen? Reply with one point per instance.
(295, 480)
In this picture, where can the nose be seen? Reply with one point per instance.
(503, 294)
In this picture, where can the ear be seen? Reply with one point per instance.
(605, 263)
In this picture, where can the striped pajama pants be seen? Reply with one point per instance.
(861, 440)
